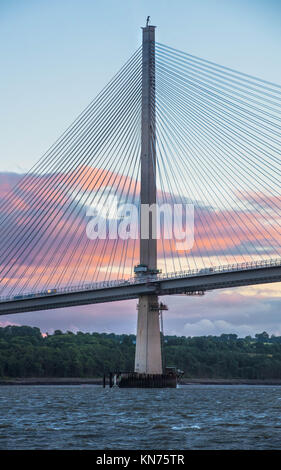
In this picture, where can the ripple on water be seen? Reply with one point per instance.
(183, 427)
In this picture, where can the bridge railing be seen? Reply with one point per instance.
(148, 278)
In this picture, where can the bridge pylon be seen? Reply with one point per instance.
(148, 358)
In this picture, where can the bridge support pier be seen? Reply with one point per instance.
(148, 358)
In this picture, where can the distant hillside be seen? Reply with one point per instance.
(24, 352)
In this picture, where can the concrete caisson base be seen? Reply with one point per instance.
(134, 380)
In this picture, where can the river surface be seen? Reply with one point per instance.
(189, 417)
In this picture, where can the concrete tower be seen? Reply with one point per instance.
(148, 358)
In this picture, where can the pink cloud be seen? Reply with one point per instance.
(46, 248)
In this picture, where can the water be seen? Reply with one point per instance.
(190, 417)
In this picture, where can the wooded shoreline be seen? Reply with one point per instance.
(29, 358)
(99, 381)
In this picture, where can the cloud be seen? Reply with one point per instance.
(5, 323)
(207, 327)
(44, 242)
(239, 311)
(118, 317)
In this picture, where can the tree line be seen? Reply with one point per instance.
(24, 352)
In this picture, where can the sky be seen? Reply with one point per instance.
(56, 55)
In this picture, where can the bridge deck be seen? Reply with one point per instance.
(183, 283)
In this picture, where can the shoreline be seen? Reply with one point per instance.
(99, 381)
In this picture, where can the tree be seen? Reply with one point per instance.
(262, 337)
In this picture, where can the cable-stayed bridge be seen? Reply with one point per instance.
(170, 129)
